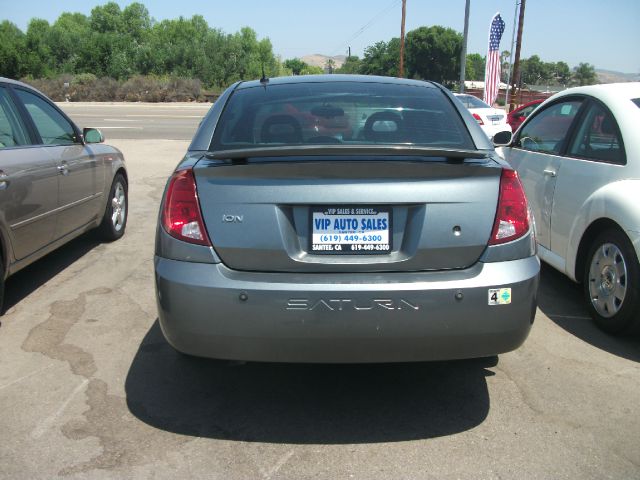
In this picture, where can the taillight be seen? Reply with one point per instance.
(478, 119)
(181, 216)
(512, 216)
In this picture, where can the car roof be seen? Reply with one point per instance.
(617, 97)
(605, 91)
(335, 78)
(20, 84)
(14, 82)
(528, 104)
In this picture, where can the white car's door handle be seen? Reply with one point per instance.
(550, 173)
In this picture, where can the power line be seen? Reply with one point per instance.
(359, 32)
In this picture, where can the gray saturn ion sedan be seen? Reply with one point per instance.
(344, 219)
(56, 181)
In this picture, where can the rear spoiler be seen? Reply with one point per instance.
(240, 154)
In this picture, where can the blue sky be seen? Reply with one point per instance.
(603, 33)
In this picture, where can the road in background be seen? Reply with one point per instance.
(90, 389)
(168, 121)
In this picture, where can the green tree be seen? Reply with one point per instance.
(72, 45)
(106, 18)
(474, 69)
(562, 73)
(295, 65)
(37, 59)
(351, 65)
(584, 74)
(382, 58)
(531, 70)
(433, 53)
(12, 47)
(136, 22)
(504, 65)
(312, 70)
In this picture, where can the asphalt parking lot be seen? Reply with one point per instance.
(90, 389)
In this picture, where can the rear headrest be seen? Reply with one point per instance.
(607, 127)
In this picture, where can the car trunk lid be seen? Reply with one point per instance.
(261, 215)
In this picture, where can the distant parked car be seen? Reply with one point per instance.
(491, 120)
(578, 156)
(517, 116)
(407, 240)
(56, 181)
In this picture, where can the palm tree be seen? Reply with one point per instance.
(329, 65)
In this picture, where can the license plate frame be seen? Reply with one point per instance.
(368, 238)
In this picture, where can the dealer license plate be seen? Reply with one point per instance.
(351, 230)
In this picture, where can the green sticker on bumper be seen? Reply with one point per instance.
(499, 296)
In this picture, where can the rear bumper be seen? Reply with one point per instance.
(208, 310)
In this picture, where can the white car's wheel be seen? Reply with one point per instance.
(611, 282)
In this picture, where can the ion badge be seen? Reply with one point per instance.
(499, 296)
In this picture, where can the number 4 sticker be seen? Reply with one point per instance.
(499, 296)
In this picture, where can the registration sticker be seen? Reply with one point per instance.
(499, 296)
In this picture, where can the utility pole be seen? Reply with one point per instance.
(463, 55)
(516, 63)
(513, 39)
(404, 13)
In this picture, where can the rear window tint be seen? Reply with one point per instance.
(348, 113)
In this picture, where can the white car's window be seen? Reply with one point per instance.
(547, 130)
(54, 129)
(12, 131)
(598, 137)
(470, 101)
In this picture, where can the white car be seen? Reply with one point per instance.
(491, 120)
(578, 156)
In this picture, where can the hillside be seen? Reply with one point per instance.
(609, 76)
(319, 60)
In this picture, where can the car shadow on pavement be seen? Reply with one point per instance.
(29, 279)
(304, 404)
(562, 301)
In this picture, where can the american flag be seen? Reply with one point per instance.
(492, 70)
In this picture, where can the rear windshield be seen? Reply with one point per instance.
(349, 113)
(470, 101)
(636, 101)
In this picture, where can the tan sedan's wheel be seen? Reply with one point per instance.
(114, 221)
(119, 207)
(611, 282)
